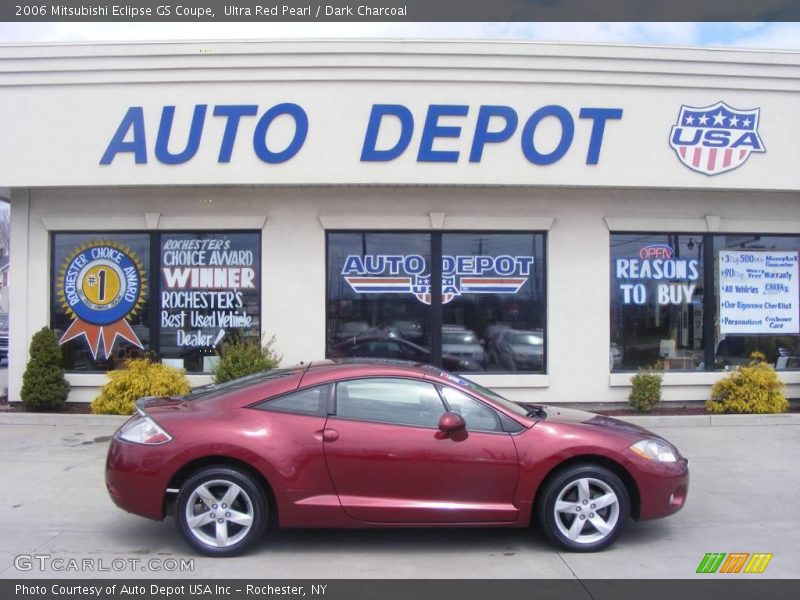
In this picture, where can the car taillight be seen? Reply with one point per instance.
(144, 431)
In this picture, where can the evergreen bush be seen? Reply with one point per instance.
(244, 357)
(137, 378)
(43, 384)
(646, 389)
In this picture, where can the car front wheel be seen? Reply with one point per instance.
(221, 511)
(584, 508)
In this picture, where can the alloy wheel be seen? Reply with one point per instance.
(219, 513)
(586, 510)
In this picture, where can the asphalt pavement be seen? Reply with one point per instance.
(742, 498)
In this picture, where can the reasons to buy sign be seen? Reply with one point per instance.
(758, 292)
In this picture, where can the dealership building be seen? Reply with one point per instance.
(546, 218)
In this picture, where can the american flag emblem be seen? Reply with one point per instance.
(717, 138)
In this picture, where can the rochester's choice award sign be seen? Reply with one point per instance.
(758, 292)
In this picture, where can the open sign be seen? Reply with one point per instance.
(656, 251)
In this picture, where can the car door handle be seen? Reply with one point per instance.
(329, 435)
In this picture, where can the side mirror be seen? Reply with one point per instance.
(451, 421)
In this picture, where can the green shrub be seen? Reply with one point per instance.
(43, 384)
(752, 389)
(138, 377)
(646, 389)
(240, 358)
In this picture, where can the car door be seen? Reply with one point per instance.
(390, 463)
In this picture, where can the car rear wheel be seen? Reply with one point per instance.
(583, 508)
(221, 511)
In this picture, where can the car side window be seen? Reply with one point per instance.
(388, 400)
(310, 401)
(477, 416)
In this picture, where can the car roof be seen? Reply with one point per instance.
(322, 371)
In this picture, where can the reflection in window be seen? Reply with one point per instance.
(477, 416)
(656, 301)
(379, 291)
(493, 299)
(311, 401)
(496, 312)
(399, 401)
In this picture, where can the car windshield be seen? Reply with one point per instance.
(212, 390)
(459, 337)
(526, 339)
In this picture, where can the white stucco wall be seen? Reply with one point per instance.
(293, 222)
(60, 106)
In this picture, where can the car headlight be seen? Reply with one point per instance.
(144, 431)
(654, 450)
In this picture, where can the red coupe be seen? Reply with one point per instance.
(384, 445)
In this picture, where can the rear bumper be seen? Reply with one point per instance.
(135, 478)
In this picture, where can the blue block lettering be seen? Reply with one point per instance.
(482, 134)
(192, 144)
(433, 130)
(233, 112)
(599, 117)
(133, 120)
(260, 135)
(368, 151)
(567, 133)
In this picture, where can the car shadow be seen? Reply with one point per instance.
(413, 540)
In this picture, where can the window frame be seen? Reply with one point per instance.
(708, 240)
(335, 401)
(436, 312)
(323, 412)
(497, 414)
(153, 295)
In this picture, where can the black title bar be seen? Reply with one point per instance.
(711, 588)
(298, 11)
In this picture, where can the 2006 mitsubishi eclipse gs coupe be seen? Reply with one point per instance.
(384, 445)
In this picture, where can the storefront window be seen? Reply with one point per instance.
(657, 301)
(210, 293)
(492, 299)
(756, 278)
(107, 306)
(379, 295)
(99, 298)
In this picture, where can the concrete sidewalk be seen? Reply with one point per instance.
(744, 477)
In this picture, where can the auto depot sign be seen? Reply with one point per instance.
(360, 134)
(495, 124)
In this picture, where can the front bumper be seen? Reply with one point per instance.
(662, 487)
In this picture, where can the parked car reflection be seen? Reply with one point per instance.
(463, 343)
(397, 348)
(520, 350)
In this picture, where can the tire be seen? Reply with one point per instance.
(228, 532)
(567, 511)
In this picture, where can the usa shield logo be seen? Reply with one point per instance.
(716, 139)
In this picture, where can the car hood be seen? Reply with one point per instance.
(571, 415)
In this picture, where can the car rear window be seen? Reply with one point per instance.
(212, 390)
